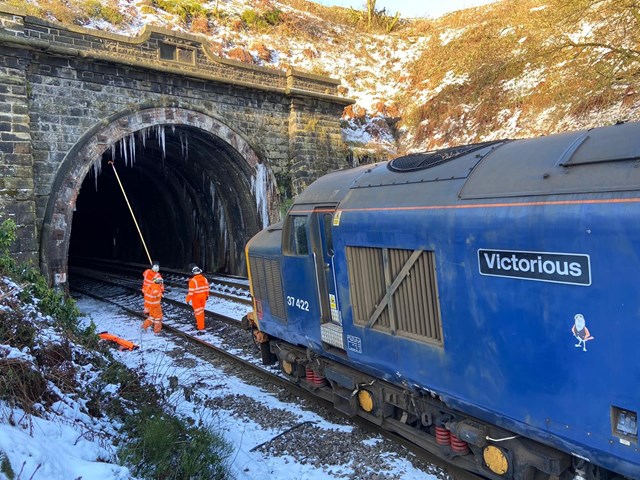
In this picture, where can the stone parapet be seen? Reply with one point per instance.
(159, 49)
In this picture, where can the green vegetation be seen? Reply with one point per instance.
(261, 21)
(5, 466)
(164, 447)
(185, 9)
(50, 301)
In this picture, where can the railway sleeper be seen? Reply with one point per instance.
(424, 419)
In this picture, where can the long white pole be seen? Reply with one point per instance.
(132, 215)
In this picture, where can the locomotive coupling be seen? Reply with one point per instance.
(469, 432)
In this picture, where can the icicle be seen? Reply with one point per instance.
(123, 150)
(97, 169)
(132, 147)
(161, 140)
(184, 145)
(143, 135)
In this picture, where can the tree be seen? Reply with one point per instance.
(371, 13)
(609, 32)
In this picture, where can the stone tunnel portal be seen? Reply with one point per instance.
(192, 191)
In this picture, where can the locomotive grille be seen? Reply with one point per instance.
(267, 284)
(395, 291)
(421, 161)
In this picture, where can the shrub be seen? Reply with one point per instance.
(101, 10)
(7, 237)
(269, 19)
(50, 301)
(162, 446)
(185, 9)
(200, 24)
(21, 385)
(5, 466)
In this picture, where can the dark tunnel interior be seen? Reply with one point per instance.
(191, 195)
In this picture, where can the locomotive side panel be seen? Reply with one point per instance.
(510, 355)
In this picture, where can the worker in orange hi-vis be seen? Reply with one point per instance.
(153, 298)
(198, 294)
(149, 275)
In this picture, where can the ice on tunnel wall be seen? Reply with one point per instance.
(224, 234)
(127, 144)
(261, 186)
(212, 192)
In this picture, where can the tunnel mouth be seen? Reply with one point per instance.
(190, 192)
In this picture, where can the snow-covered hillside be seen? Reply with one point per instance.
(513, 68)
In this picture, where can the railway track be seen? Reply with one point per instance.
(235, 289)
(232, 344)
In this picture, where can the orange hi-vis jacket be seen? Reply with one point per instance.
(198, 294)
(152, 299)
(198, 288)
(148, 277)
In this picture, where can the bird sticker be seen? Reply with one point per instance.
(580, 331)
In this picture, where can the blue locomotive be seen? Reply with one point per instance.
(481, 301)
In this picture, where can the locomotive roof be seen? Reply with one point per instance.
(601, 159)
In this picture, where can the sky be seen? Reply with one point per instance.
(411, 8)
(66, 443)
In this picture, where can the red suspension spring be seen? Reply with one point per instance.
(311, 377)
(319, 380)
(459, 446)
(443, 436)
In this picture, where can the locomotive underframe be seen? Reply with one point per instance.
(414, 414)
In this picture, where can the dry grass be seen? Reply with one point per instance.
(499, 46)
(73, 12)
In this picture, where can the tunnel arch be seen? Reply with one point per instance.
(191, 181)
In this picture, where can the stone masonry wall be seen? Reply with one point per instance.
(59, 83)
(17, 200)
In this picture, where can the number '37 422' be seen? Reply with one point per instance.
(298, 303)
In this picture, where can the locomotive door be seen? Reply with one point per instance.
(331, 319)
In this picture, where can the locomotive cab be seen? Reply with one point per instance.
(308, 253)
(295, 281)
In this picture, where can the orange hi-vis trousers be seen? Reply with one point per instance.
(153, 299)
(198, 302)
(156, 322)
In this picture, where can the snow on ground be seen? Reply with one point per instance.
(74, 446)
